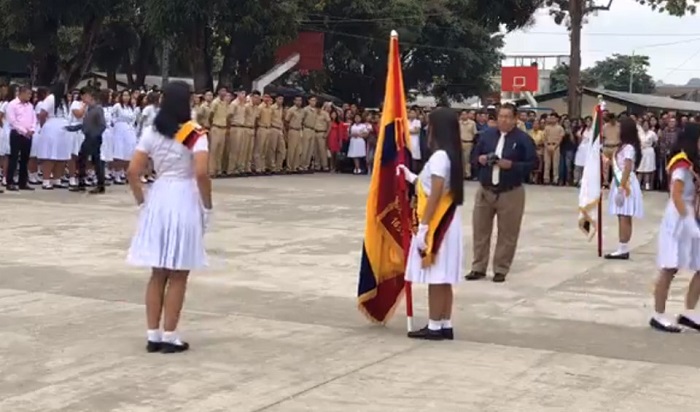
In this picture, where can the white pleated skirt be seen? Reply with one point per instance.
(676, 250)
(123, 141)
(170, 234)
(5, 140)
(107, 147)
(447, 268)
(648, 162)
(633, 204)
(357, 148)
(77, 138)
(54, 142)
(36, 136)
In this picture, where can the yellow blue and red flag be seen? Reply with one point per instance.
(388, 222)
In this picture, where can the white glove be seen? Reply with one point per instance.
(420, 237)
(407, 174)
(206, 217)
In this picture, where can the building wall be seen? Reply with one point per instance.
(588, 103)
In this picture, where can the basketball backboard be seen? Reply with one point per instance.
(309, 45)
(520, 79)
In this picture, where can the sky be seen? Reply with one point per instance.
(672, 43)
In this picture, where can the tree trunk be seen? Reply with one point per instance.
(142, 58)
(74, 69)
(45, 54)
(200, 64)
(576, 8)
(227, 67)
(111, 78)
(165, 62)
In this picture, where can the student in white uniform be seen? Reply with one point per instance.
(123, 135)
(33, 167)
(76, 113)
(585, 139)
(5, 132)
(54, 145)
(357, 148)
(647, 166)
(414, 126)
(172, 221)
(107, 148)
(679, 235)
(435, 256)
(148, 115)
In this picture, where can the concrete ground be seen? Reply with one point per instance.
(274, 326)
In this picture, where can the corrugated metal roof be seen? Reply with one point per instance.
(649, 100)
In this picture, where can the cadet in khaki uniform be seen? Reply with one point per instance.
(251, 119)
(276, 148)
(308, 133)
(553, 136)
(262, 136)
(237, 136)
(204, 111)
(294, 118)
(218, 125)
(467, 131)
(611, 141)
(323, 126)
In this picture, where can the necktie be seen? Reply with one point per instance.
(496, 171)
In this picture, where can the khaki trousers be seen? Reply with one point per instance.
(276, 150)
(217, 146)
(249, 143)
(307, 140)
(552, 157)
(262, 140)
(608, 152)
(466, 158)
(294, 149)
(507, 208)
(321, 151)
(234, 145)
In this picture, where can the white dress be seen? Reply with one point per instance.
(447, 268)
(77, 137)
(148, 115)
(37, 130)
(632, 204)
(648, 162)
(4, 132)
(54, 142)
(582, 151)
(107, 147)
(123, 132)
(676, 249)
(415, 139)
(170, 229)
(357, 148)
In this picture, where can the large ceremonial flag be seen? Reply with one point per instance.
(589, 194)
(388, 222)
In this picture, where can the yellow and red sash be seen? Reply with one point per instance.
(678, 161)
(438, 225)
(189, 134)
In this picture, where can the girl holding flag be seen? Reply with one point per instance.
(679, 235)
(625, 192)
(435, 254)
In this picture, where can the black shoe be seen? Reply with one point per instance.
(617, 256)
(167, 347)
(26, 188)
(499, 277)
(474, 275)
(688, 323)
(426, 334)
(655, 324)
(152, 347)
(79, 188)
(12, 188)
(448, 333)
(97, 191)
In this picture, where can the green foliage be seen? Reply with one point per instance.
(672, 7)
(559, 78)
(613, 73)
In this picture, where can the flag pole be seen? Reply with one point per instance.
(601, 105)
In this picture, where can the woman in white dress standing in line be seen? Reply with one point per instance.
(679, 235)
(357, 148)
(76, 113)
(123, 135)
(5, 132)
(625, 199)
(148, 116)
(55, 144)
(33, 166)
(107, 147)
(647, 166)
(436, 251)
(172, 220)
(585, 138)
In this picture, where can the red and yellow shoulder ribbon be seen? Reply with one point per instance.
(438, 224)
(680, 160)
(189, 134)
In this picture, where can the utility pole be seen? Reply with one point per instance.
(631, 88)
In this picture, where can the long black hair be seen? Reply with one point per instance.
(174, 109)
(687, 142)
(443, 129)
(58, 90)
(629, 134)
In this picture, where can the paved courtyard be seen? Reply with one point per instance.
(274, 326)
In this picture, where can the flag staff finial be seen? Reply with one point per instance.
(601, 102)
(394, 33)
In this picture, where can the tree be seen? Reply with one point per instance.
(559, 78)
(615, 73)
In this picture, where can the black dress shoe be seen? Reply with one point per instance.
(12, 188)
(79, 188)
(167, 347)
(426, 334)
(499, 277)
(688, 323)
(97, 191)
(448, 333)
(617, 256)
(152, 347)
(474, 275)
(26, 188)
(655, 324)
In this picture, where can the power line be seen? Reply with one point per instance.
(692, 56)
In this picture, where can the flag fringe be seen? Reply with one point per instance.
(586, 217)
(370, 295)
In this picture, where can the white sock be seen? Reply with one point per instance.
(434, 324)
(692, 315)
(154, 335)
(172, 337)
(623, 248)
(446, 324)
(663, 319)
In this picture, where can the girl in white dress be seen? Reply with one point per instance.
(435, 254)
(174, 217)
(625, 199)
(679, 235)
(107, 147)
(75, 117)
(148, 115)
(5, 132)
(123, 135)
(585, 138)
(54, 144)
(357, 149)
(647, 166)
(33, 166)
(414, 126)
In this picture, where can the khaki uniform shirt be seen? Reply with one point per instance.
(309, 117)
(237, 112)
(218, 113)
(521, 126)
(203, 112)
(323, 121)
(265, 119)
(276, 116)
(467, 130)
(295, 117)
(251, 115)
(611, 134)
(553, 134)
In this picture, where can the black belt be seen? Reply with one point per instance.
(321, 131)
(467, 141)
(499, 189)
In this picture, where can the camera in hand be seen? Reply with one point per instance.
(492, 159)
